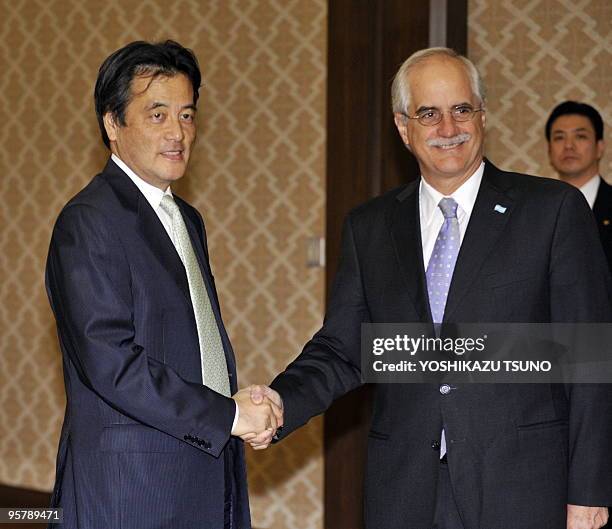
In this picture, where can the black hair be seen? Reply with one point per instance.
(582, 109)
(112, 92)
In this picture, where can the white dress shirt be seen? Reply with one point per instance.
(431, 216)
(154, 197)
(590, 189)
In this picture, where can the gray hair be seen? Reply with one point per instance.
(400, 89)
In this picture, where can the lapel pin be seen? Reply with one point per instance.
(500, 209)
(606, 222)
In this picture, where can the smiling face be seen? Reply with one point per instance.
(159, 129)
(573, 148)
(449, 152)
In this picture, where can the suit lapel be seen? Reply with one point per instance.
(148, 225)
(492, 209)
(405, 228)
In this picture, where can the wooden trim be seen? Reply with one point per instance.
(19, 497)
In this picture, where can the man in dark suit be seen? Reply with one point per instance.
(464, 456)
(148, 366)
(575, 136)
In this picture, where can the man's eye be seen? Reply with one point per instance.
(428, 114)
(157, 115)
(463, 110)
(187, 117)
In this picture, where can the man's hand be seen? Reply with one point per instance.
(260, 394)
(581, 517)
(256, 420)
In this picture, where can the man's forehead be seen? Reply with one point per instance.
(440, 77)
(150, 85)
(572, 122)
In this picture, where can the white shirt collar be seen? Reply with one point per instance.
(590, 189)
(465, 196)
(153, 194)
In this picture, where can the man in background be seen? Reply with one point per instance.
(465, 243)
(148, 366)
(575, 135)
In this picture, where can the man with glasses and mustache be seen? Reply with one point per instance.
(465, 243)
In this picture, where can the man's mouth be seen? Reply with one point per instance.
(176, 155)
(447, 144)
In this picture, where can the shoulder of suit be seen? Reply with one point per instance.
(96, 194)
(528, 187)
(382, 203)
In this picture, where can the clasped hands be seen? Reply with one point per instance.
(260, 414)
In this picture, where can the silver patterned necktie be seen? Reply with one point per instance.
(212, 356)
(440, 269)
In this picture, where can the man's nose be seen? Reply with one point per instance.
(447, 126)
(174, 130)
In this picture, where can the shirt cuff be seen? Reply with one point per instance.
(236, 416)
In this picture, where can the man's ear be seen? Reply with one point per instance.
(111, 126)
(601, 147)
(401, 122)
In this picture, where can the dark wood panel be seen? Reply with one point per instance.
(18, 497)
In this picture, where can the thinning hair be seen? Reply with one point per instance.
(400, 89)
(113, 86)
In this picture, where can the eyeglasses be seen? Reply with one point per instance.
(432, 116)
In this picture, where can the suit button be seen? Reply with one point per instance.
(435, 445)
(445, 389)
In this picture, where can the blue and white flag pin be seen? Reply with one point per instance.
(500, 209)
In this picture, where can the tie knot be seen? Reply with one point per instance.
(448, 207)
(169, 205)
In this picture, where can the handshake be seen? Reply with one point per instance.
(260, 415)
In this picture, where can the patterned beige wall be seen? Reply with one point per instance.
(533, 54)
(257, 176)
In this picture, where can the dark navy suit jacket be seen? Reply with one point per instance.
(517, 453)
(144, 444)
(602, 208)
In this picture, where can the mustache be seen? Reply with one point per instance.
(443, 142)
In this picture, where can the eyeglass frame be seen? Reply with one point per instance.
(473, 112)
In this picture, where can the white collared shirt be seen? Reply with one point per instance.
(153, 195)
(590, 189)
(431, 216)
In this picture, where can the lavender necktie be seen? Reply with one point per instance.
(443, 258)
(440, 269)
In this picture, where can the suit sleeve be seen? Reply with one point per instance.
(580, 292)
(329, 365)
(88, 283)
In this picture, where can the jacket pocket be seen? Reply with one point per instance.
(136, 438)
(373, 434)
(543, 425)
